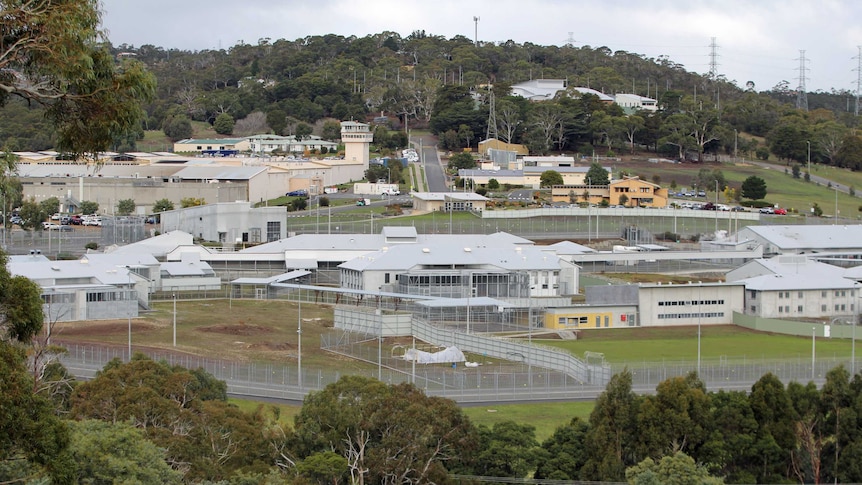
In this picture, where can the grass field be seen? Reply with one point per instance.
(680, 343)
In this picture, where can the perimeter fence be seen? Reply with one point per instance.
(490, 380)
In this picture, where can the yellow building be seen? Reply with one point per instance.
(629, 192)
(591, 316)
(495, 144)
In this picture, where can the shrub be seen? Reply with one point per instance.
(91, 245)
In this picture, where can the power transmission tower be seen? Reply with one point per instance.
(570, 40)
(858, 78)
(801, 91)
(713, 59)
(491, 132)
(713, 71)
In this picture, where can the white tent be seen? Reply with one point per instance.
(449, 354)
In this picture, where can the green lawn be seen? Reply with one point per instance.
(680, 343)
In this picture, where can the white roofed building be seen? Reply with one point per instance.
(454, 270)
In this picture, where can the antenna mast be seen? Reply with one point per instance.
(476, 31)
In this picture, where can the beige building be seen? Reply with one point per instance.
(357, 138)
(628, 192)
(201, 145)
(495, 144)
(448, 201)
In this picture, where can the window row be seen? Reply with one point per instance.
(662, 316)
(693, 302)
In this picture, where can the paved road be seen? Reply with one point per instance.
(434, 173)
(814, 178)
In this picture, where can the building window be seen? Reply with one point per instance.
(822, 308)
(780, 295)
(799, 309)
(823, 294)
(780, 309)
(386, 278)
(753, 309)
(273, 231)
(799, 294)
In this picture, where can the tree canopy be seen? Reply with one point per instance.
(754, 188)
(54, 54)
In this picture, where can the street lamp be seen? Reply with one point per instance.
(299, 342)
(809, 159)
(174, 296)
(813, 342)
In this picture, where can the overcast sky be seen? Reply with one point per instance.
(758, 40)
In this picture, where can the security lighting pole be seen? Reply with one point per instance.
(175, 319)
(813, 342)
(129, 309)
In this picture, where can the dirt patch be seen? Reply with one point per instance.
(236, 329)
(99, 329)
(283, 346)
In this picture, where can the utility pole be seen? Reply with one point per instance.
(801, 90)
(476, 31)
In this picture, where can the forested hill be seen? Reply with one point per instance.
(275, 85)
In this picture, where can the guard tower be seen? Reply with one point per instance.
(357, 139)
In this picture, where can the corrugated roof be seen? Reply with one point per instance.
(455, 256)
(811, 237)
(776, 282)
(219, 173)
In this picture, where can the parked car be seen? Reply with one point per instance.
(780, 212)
(297, 193)
(76, 220)
(16, 220)
(767, 210)
(738, 208)
(701, 194)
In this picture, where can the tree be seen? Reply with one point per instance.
(88, 207)
(331, 130)
(396, 432)
(20, 306)
(53, 55)
(675, 418)
(508, 449)
(549, 178)
(302, 131)
(848, 156)
(29, 429)
(612, 432)
(125, 207)
(50, 206)
(460, 161)
(564, 454)
(223, 124)
(163, 205)
(116, 452)
(493, 184)
(32, 214)
(177, 127)
(676, 469)
(754, 188)
(192, 202)
(597, 175)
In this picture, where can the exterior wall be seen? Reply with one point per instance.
(837, 329)
(564, 193)
(589, 317)
(676, 305)
(107, 192)
(494, 144)
(190, 146)
(821, 303)
(226, 222)
(190, 283)
(373, 189)
(638, 192)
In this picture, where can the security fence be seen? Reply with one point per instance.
(490, 381)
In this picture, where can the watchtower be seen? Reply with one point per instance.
(357, 139)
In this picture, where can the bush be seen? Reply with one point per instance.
(91, 245)
(762, 153)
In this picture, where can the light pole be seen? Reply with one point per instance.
(699, 294)
(735, 142)
(299, 343)
(813, 341)
(809, 159)
(852, 321)
(175, 318)
(129, 309)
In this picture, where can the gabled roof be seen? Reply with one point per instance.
(157, 246)
(569, 247)
(777, 282)
(456, 257)
(187, 268)
(811, 237)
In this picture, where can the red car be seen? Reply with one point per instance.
(781, 212)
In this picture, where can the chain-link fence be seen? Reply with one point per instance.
(489, 381)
